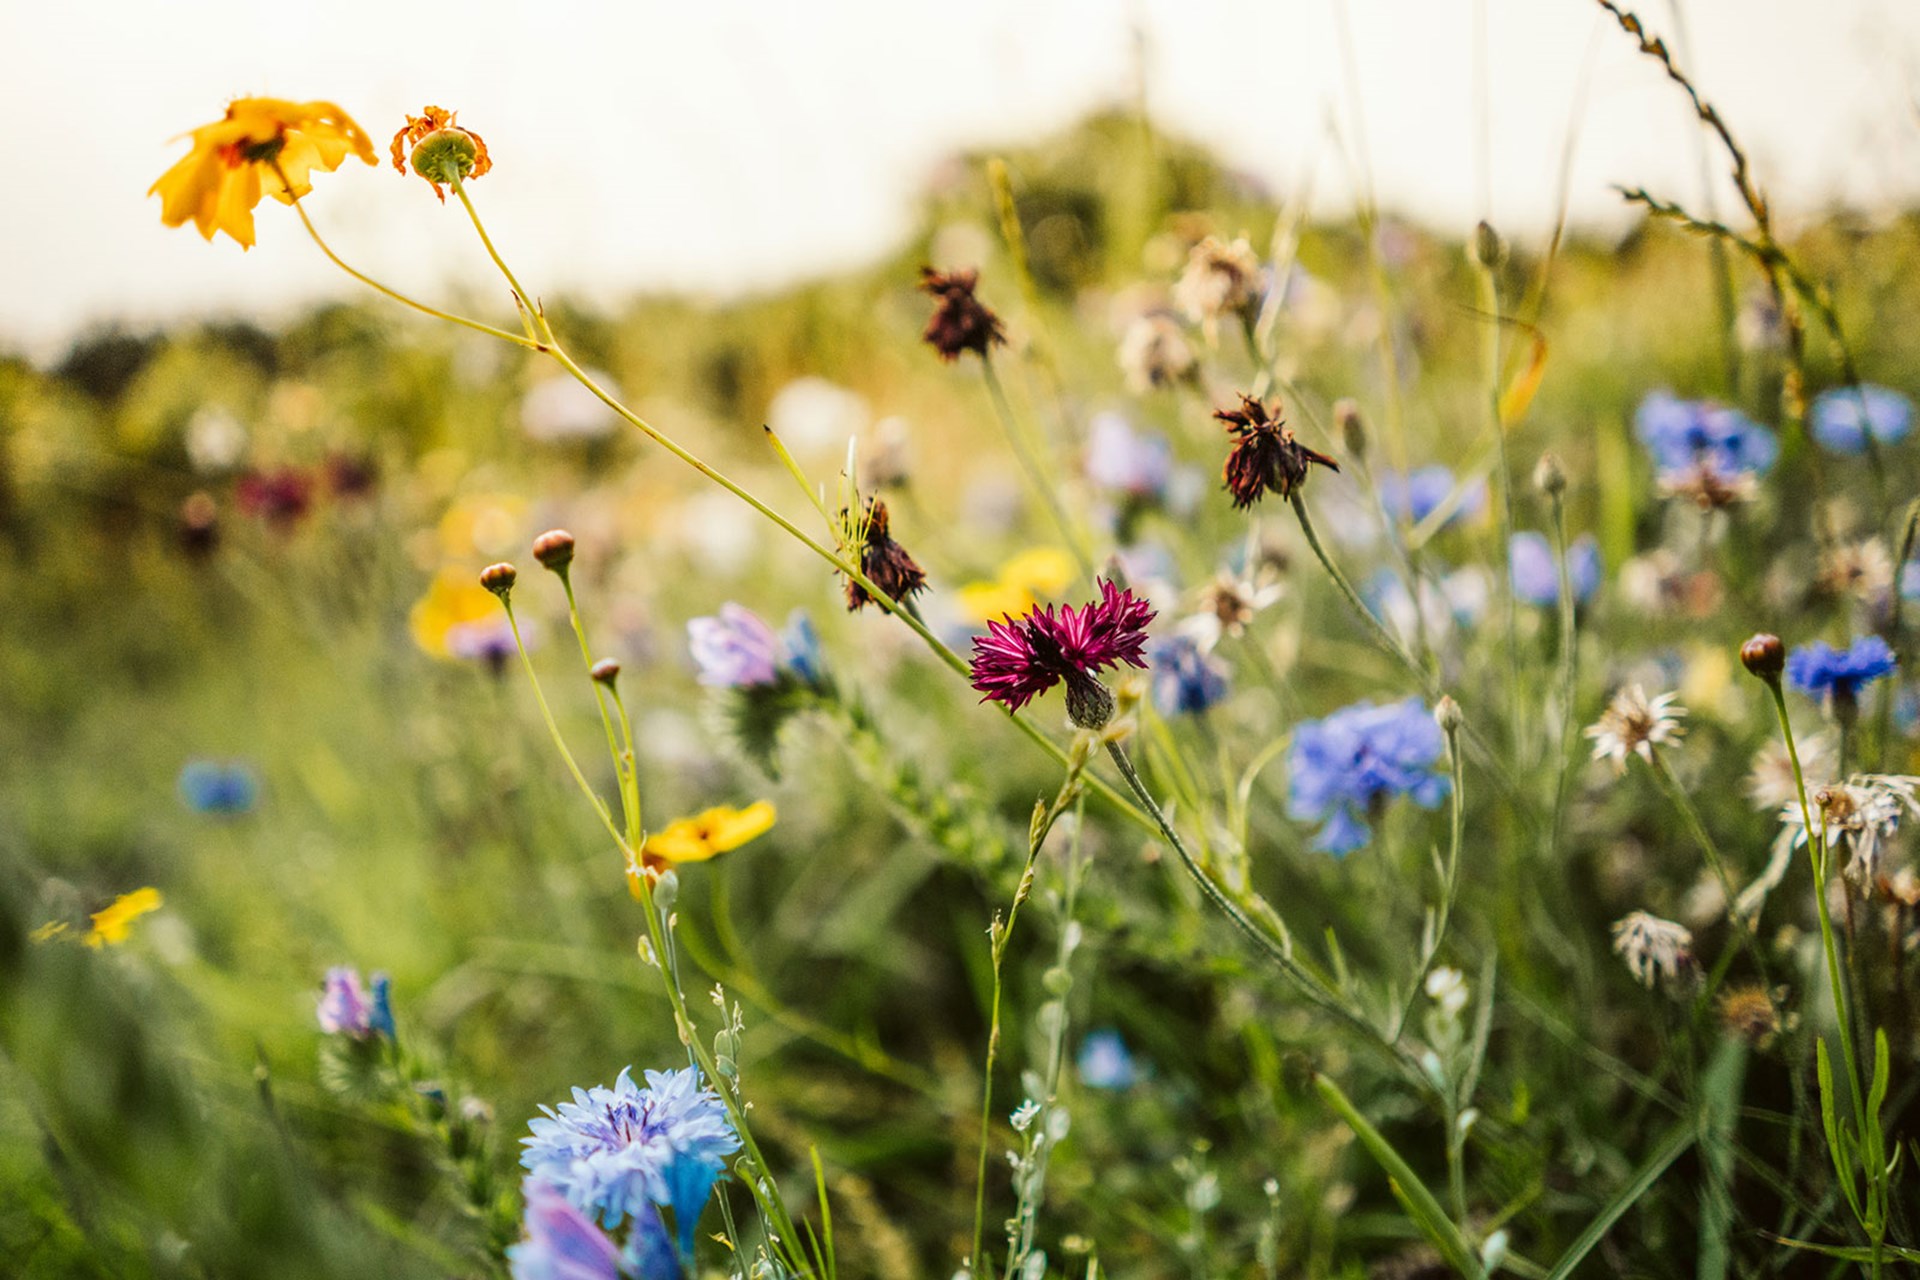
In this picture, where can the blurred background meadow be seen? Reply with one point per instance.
(247, 662)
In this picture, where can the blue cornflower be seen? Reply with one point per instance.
(1105, 1062)
(620, 1152)
(1843, 417)
(1418, 494)
(800, 649)
(564, 1244)
(1137, 464)
(1536, 579)
(1186, 679)
(735, 649)
(1356, 758)
(1820, 669)
(1692, 435)
(210, 786)
(346, 1007)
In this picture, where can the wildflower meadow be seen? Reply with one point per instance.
(1147, 732)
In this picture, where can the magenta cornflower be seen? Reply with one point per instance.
(1020, 659)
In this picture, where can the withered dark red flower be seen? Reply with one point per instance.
(281, 497)
(961, 322)
(1020, 659)
(1265, 457)
(884, 561)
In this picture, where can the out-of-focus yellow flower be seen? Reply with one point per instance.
(111, 925)
(244, 155)
(1040, 573)
(703, 836)
(487, 524)
(454, 600)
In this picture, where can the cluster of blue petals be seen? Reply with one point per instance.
(1341, 767)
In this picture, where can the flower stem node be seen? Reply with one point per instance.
(554, 550)
(499, 579)
(605, 671)
(1765, 656)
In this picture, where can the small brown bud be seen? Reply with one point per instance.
(1549, 477)
(1765, 657)
(554, 549)
(499, 578)
(1447, 714)
(605, 671)
(1488, 249)
(1353, 430)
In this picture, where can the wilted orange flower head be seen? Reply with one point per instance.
(261, 146)
(440, 149)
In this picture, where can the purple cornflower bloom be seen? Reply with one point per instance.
(735, 649)
(347, 1008)
(1135, 463)
(489, 640)
(1105, 1062)
(1843, 417)
(1342, 767)
(1688, 435)
(1536, 579)
(1186, 679)
(1418, 494)
(561, 1242)
(1020, 659)
(621, 1152)
(1820, 669)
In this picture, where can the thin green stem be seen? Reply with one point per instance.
(521, 298)
(1490, 305)
(1036, 471)
(1450, 881)
(620, 762)
(553, 729)
(1697, 828)
(635, 826)
(1569, 669)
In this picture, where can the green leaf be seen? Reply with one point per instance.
(1720, 1102)
(1643, 1179)
(1836, 1138)
(1848, 1252)
(1420, 1203)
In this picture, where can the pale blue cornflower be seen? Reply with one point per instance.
(347, 1008)
(564, 1244)
(1105, 1062)
(1417, 494)
(1343, 767)
(1123, 461)
(216, 787)
(1844, 417)
(1186, 679)
(619, 1152)
(736, 650)
(1536, 578)
(1683, 435)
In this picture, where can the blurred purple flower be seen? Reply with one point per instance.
(735, 649)
(1343, 766)
(1820, 669)
(1536, 578)
(348, 1009)
(1843, 417)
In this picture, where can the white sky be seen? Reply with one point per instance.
(720, 144)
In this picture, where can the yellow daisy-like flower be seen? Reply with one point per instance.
(1040, 573)
(703, 836)
(455, 599)
(112, 924)
(262, 146)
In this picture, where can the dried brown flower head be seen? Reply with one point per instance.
(1748, 1012)
(1265, 457)
(439, 149)
(884, 561)
(961, 322)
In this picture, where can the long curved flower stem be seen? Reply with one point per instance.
(518, 340)
(1569, 671)
(553, 730)
(1313, 988)
(941, 650)
(1490, 304)
(1428, 682)
(1037, 473)
(1044, 818)
(622, 763)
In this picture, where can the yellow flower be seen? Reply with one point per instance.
(1031, 576)
(702, 836)
(110, 926)
(246, 154)
(454, 600)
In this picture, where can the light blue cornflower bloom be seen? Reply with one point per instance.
(1341, 767)
(800, 649)
(1536, 579)
(1418, 494)
(348, 1009)
(1137, 464)
(1105, 1061)
(734, 649)
(619, 1152)
(210, 786)
(1688, 435)
(1186, 679)
(1843, 417)
(1821, 670)
(564, 1244)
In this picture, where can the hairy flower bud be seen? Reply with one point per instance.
(554, 549)
(1549, 477)
(499, 578)
(1765, 657)
(1447, 714)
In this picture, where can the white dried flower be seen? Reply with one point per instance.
(1865, 811)
(1220, 280)
(1226, 605)
(1862, 570)
(1634, 724)
(1770, 782)
(1154, 352)
(1654, 948)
